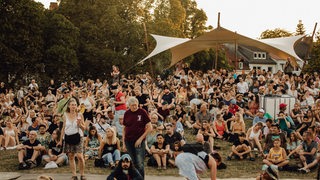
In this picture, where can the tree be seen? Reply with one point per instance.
(109, 34)
(61, 46)
(300, 30)
(313, 64)
(21, 42)
(276, 33)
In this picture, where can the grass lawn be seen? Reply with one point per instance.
(235, 168)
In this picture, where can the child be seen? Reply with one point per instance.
(241, 148)
(277, 156)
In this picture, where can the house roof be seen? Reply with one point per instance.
(182, 48)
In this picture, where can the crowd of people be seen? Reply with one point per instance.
(149, 118)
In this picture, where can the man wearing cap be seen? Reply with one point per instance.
(259, 117)
(137, 125)
(125, 170)
(283, 108)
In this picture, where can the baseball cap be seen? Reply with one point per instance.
(282, 105)
(261, 110)
(233, 101)
(125, 157)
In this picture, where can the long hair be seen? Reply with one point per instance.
(70, 101)
(95, 134)
(58, 134)
(113, 138)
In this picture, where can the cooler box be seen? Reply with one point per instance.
(270, 104)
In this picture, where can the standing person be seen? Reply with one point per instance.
(136, 127)
(119, 106)
(73, 126)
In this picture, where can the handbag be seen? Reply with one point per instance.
(72, 139)
(99, 162)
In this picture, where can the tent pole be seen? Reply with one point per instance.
(147, 46)
(216, 60)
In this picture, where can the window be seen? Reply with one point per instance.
(259, 55)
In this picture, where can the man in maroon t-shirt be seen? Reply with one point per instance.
(136, 127)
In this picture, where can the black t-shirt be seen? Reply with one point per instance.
(170, 140)
(28, 143)
(237, 143)
(55, 150)
(143, 100)
(180, 115)
(157, 146)
(168, 97)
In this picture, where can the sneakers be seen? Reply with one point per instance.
(31, 164)
(228, 158)
(22, 166)
(303, 170)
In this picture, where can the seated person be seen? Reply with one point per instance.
(171, 137)
(241, 148)
(259, 117)
(274, 134)
(109, 149)
(208, 134)
(254, 136)
(55, 153)
(125, 170)
(44, 138)
(92, 143)
(292, 144)
(277, 156)
(307, 152)
(220, 128)
(29, 152)
(177, 125)
(101, 125)
(283, 122)
(201, 115)
(9, 135)
(160, 150)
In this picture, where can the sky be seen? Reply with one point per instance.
(252, 17)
